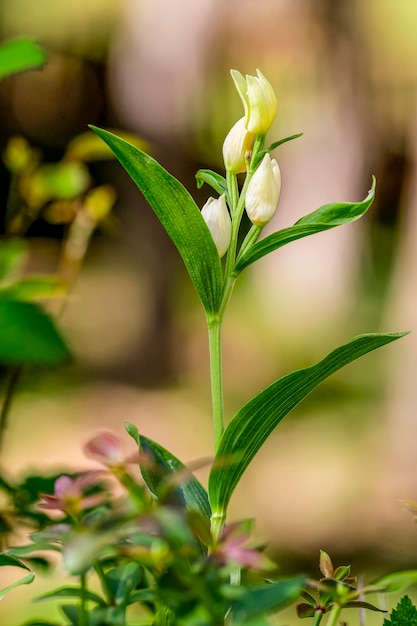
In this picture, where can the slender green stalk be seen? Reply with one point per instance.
(334, 615)
(15, 373)
(107, 590)
(216, 376)
(217, 523)
(83, 615)
(318, 615)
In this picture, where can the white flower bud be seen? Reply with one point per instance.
(258, 99)
(263, 192)
(217, 218)
(237, 144)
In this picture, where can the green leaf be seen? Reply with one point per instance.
(34, 287)
(70, 592)
(405, 614)
(266, 598)
(324, 218)
(23, 581)
(179, 215)
(256, 420)
(123, 580)
(17, 55)
(12, 257)
(396, 582)
(8, 559)
(164, 466)
(278, 143)
(216, 181)
(260, 155)
(28, 336)
(360, 604)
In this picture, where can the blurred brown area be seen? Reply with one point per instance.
(345, 74)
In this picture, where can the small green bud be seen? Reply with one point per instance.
(263, 192)
(217, 218)
(258, 99)
(236, 147)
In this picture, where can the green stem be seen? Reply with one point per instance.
(83, 615)
(15, 373)
(215, 348)
(107, 590)
(318, 615)
(217, 523)
(334, 615)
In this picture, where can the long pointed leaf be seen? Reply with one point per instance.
(179, 215)
(255, 421)
(23, 581)
(164, 465)
(324, 218)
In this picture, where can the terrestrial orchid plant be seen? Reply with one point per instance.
(164, 552)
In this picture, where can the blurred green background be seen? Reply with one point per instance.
(345, 74)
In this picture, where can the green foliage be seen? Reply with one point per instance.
(17, 55)
(28, 336)
(179, 215)
(255, 421)
(167, 477)
(324, 218)
(405, 614)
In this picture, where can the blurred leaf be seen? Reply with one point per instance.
(266, 598)
(23, 581)
(123, 580)
(90, 147)
(70, 592)
(256, 420)
(304, 610)
(360, 604)
(179, 215)
(396, 582)
(33, 288)
(8, 559)
(324, 218)
(17, 55)
(28, 336)
(71, 612)
(12, 257)
(163, 465)
(65, 180)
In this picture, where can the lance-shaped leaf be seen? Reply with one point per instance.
(23, 581)
(256, 420)
(179, 215)
(161, 468)
(17, 55)
(324, 218)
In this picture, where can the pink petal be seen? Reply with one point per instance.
(105, 447)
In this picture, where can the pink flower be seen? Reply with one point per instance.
(69, 494)
(107, 448)
(233, 548)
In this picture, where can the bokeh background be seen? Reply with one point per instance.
(345, 74)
